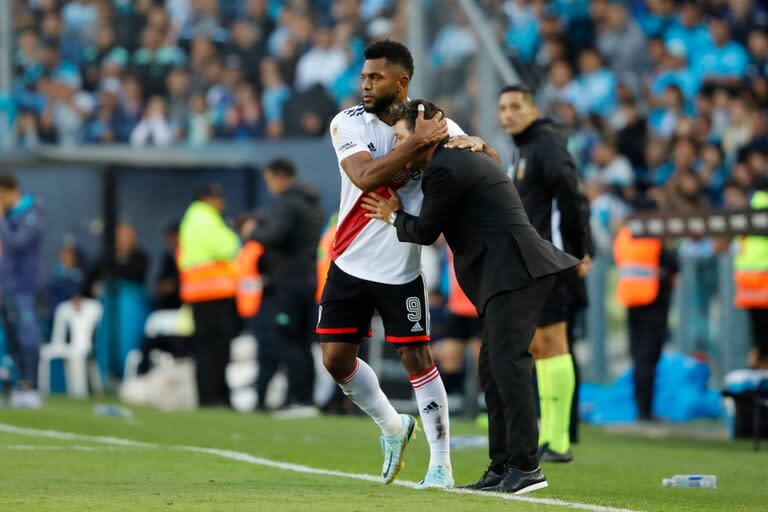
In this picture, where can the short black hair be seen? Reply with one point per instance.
(282, 167)
(409, 111)
(395, 53)
(8, 181)
(523, 89)
(210, 191)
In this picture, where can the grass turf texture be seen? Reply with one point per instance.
(38, 474)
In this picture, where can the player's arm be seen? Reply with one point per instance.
(368, 173)
(440, 196)
(559, 173)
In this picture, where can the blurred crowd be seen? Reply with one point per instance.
(158, 72)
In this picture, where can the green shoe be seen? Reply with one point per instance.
(437, 477)
(393, 447)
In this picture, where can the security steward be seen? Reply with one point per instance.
(646, 277)
(290, 235)
(208, 249)
(506, 269)
(751, 280)
(543, 172)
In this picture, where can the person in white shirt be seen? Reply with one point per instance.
(153, 129)
(372, 270)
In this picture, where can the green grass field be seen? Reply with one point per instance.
(39, 473)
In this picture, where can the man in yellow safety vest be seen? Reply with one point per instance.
(207, 262)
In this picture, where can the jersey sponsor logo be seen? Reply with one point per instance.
(346, 146)
(404, 175)
(371, 147)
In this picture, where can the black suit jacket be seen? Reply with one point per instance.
(469, 198)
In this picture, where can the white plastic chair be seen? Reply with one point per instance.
(79, 322)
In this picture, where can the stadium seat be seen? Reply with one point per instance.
(74, 325)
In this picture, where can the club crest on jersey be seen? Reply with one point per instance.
(403, 175)
(519, 173)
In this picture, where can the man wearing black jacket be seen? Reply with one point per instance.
(290, 235)
(543, 172)
(507, 271)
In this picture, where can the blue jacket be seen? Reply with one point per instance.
(21, 236)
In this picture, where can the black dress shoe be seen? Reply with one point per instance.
(520, 482)
(489, 479)
(548, 455)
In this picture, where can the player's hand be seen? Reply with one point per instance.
(380, 207)
(247, 228)
(585, 266)
(474, 144)
(430, 131)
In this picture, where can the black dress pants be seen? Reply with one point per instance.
(289, 315)
(647, 334)
(505, 374)
(215, 327)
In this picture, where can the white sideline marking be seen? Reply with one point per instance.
(287, 466)
(53, 447)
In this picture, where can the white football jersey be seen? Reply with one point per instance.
(368, 248)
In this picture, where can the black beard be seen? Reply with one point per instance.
(382, 105)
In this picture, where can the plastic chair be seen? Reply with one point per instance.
(74, 324)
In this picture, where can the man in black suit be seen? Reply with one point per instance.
(507, 271)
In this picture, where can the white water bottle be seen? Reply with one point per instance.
(691, 481)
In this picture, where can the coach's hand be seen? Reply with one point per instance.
(430, 131)
(474, 144)
(381, 207)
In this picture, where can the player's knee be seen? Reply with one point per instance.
(338, 364)
(415, 358)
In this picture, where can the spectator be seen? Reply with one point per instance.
(131, 263)
(248, 47)
(67, 108)
(199, 128)
(166, 292)
(632, 134)
(758, 55)
(105, 124)
(690, 33)
(66, 280)
(622, 43)
(674, 71)
(663, 120)
(178, 87)
(322, 63)
(745, 16)
(599, 81)
(244, 119)
(204, 20)
(153, 129)
(309, 112)
(275, 94)
(739, 130)
(559, 87)
(608, 166)
(96, 56)
(724, 61)
(153, 60)
(80, 20)
(132, 105)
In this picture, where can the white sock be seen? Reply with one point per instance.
(362, 387)
(433, 407)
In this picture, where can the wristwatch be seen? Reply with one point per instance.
(392, 217)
